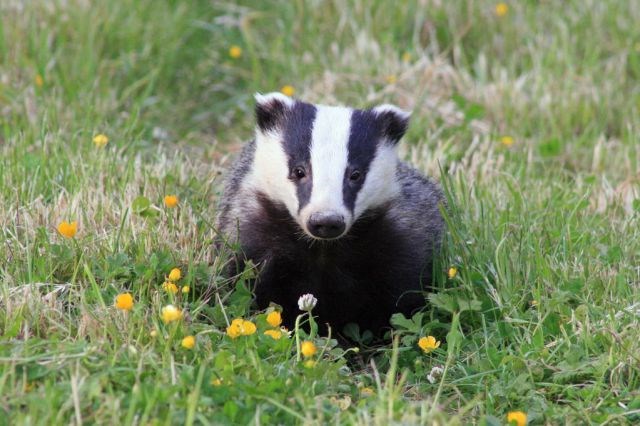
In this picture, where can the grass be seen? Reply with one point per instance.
(543, 315)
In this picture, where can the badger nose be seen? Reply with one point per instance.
(326, 225)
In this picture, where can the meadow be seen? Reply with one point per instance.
(527, 112)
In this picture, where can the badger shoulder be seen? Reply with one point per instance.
(233, 200)
(417, 209)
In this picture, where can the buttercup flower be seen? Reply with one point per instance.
(39, 80)
(233, 330)
(507, 141)
(188, 342)
(307, 302)
(517, 418)
(175, 275)
(501, 9)
(235, 52)
(247, 328)
(452, 272)
(185, 289)
(100, 140)
(170, 313)
(428, 344)
(171, 201)
(308, 349)
(274, 334)
(288, 90)
(68, 230)
(124, 301)
(170, 287)
(240, 327)
(216, 382)
(274, 319)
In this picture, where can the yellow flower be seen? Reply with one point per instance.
(308, 349)
(274, 334)
(170, 287)
(501, 9)
(240, 327)
(124, 301)
(235, 51)
(171, 201)
(391, 79)
(188, 342)
(367, 391)
(153, 333)
(68, 230)
(428, 344)
(175, 275)
(517, 418)
(288, 90)
(170, 313)
(406, 57)
(185, 289)
(274, 318)
(507, 141)
(216, 382)
(453, 271)
(39, 80)
(100, 140)
(233, 330)
(247, 328)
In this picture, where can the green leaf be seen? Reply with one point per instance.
(443, 301)
(140, 204)
(455, 302)
(490, 421)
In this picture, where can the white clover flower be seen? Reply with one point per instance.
(435, 374)
(307, 302)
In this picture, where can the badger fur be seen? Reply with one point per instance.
(320, 201)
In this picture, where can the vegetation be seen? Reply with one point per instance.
(527, 112)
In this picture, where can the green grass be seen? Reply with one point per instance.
(543, 315)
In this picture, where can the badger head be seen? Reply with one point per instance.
(327, 165)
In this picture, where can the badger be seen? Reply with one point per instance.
(321, 203)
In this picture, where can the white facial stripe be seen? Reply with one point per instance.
(329, 154)
(381, 183)
(271, 170)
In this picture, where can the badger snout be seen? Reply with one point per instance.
(326, 225)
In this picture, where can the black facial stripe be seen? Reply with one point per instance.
(297, 145)
(365, 133)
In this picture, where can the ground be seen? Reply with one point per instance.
(527, 112)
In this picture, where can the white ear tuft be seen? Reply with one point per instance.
(268, 98)
(271, 110)
(381, 109)
(395, 121)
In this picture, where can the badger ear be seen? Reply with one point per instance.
(270, 109)
(394, 121)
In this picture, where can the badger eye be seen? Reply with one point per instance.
(355, 175)
(299, 173)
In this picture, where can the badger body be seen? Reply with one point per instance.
(321, 203)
